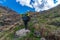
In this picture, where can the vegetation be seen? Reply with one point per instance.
(47, 23)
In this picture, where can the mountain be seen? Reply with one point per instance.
(47, 23)
(51, 15)
(8, 16)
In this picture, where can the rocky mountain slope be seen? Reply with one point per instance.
(8, 16)
(47, 23)
(8, 21)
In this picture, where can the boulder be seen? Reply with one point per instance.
(42, 38)
(22, 32)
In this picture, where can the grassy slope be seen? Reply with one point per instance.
(48, 19)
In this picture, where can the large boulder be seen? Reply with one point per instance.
(22, 32)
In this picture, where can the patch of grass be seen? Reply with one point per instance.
(18, 27)
(42, 20)
(11, 35)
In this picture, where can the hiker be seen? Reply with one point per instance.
(26, 19)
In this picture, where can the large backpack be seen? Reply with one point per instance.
(26, 18)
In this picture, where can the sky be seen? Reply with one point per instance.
(22, 6)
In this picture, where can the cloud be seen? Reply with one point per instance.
(25, 2)
(55, 1)
(39, 5)
(58, 2)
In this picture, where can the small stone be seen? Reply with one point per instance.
(37, 34)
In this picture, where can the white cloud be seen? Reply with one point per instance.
(39, 5)
(25, 2)
(57, 2)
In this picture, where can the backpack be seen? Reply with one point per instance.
(26, 18)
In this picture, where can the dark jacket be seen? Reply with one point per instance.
(26, 18)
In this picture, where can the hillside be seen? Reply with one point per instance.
(8, 16)
(47, 23)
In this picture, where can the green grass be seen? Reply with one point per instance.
(41, 20)
(18, 27)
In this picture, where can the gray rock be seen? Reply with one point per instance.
(22, 32)
(42, 38)
(37, 34)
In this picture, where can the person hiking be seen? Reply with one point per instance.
(26, 19)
